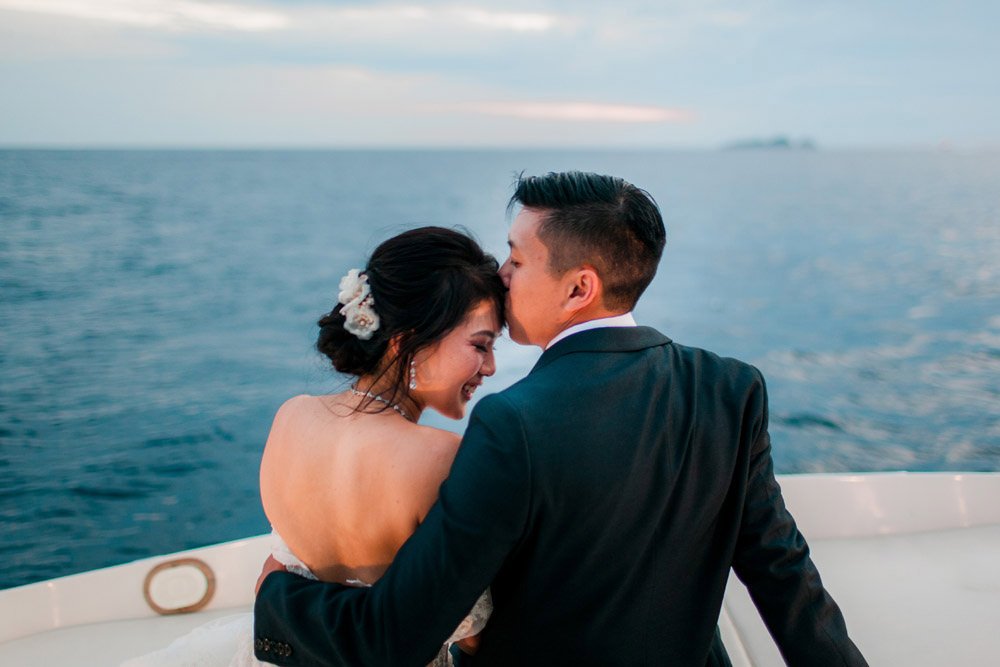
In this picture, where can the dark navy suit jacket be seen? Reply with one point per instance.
(604, 498)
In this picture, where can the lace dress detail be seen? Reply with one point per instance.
(284, 555)
(472, 624)
(228, 641)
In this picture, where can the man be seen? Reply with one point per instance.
(603, 498)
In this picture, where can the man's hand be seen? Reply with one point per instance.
(270, 565)
(469, 645)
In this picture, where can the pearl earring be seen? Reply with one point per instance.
(413, 374)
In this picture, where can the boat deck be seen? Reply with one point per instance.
(913, 561)
(930, 598)
(103, 644)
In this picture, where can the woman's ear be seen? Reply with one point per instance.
(394, 345)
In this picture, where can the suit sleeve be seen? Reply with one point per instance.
(772, 560)
(436, 576)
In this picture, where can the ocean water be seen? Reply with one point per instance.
(157, 307)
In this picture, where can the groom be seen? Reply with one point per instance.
(603, 498)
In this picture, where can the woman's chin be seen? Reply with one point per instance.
(449, 406)
(455, 412)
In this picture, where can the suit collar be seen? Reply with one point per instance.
(612, 339)
(624, 320)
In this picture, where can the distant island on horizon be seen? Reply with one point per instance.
(779, 142)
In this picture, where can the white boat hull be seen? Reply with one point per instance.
(912, 559)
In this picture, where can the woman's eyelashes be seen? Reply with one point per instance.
(484, 346)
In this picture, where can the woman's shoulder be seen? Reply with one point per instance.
(291, 409)
(425, 445)
(423, 452)
(436, 437)
(424, 455)
(303, 410)
(302, 423)
(297, 404)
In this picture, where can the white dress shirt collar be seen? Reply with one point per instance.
(625, 320)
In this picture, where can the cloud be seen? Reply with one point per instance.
(421, 28)
(181, 15)
(309, 106)
(580, 112)
(518, 22)
(164, 14)
(473, 16)
(727, 18)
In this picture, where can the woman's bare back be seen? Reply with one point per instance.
(346, 489)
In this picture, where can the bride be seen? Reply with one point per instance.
(346, 478)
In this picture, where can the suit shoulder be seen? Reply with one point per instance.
(725, 368)
(524, 395)
(510, 409)
(501, 403)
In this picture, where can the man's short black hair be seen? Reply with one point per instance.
(601, 221)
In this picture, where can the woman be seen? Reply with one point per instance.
(347, 477)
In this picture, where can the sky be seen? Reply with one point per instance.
(513, 74)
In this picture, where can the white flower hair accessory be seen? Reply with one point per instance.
(360, 317)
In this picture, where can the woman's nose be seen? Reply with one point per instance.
(489, 366)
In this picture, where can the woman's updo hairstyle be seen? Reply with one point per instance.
(423, 283)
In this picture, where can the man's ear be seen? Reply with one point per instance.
(584, 288)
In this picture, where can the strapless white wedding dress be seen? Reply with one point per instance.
(228, 641)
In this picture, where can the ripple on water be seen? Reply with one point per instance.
(190, 439)
(180, 469)
(55, 513)
(114, 493)
(130, 552)
(807, 420)
(20, 486)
